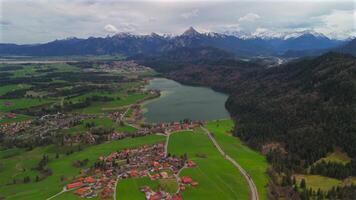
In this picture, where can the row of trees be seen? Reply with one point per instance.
(334, 169)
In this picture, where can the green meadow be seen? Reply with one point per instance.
(99, 121)
(253, 162)
(102, 107)
(21, 103)
(18, 118)
(14, 166)
(218, 178)
(13, 87)
(336, 156)
(71, 196)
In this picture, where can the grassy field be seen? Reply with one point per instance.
(113, 105)
(217, 178)
(337, 156)
(315, 182)
(13, 87)
(102, 121)
(324, 183)
(60, 167)
(21, 103)
(18, 118)
(71, 196)
(253, 162)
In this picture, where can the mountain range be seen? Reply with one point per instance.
(129, 45)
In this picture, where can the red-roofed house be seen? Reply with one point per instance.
(191, 163)
(156, 196)
(82, 191)
(186, 180)
(89, 180)
(177, 197)
(74, 185)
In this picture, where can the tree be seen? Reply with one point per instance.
(302, 184)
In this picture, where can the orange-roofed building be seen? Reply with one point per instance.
(133, 173)
(89, 180)
(177, 197)
(11, 115)
(186, 180)
(155, 164)
(191, 163)
(156, 196)
(74, 185)
(82, 191)
(186, 126)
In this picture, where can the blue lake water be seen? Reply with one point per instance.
(178, 102)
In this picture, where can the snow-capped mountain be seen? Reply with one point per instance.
(261, 42)
(266, 34)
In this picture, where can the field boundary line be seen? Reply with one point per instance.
(251, 184)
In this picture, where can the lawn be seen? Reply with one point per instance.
(129, 189)
(102, 121)
(18, 118)
(217, 177)
(315, 181)
(60, 167)
(71, 196)
(21, 103)
(253, 162)
(13, 87)
(336, 156)
(124, 100)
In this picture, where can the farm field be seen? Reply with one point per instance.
(217, 178)
(336, 156)
(130, 188)
(13, 87)
(253, 162)
(18, 118)
(21, 103)
(60, 167)
(324, 183)
(98, 108)
(102, 122)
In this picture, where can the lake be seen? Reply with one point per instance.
(178, 102)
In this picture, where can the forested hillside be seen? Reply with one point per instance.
(295, 113)
(306, 106)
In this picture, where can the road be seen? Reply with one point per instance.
(59, 193)
(251, 184)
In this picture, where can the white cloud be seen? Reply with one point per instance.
(190, 14)
(23, 21)
(339, 24)
(110, 28)
(250, 17)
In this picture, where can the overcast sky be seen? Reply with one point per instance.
(37, 21)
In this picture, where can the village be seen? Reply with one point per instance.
(145, 161)
(100, 179)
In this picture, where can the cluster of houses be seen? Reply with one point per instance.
(14, 127)
(123, 67)
(166, 128)
(145, 161)
(65, 120)
(159, 195)
(162, 128)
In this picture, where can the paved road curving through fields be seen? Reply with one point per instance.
(251, 184)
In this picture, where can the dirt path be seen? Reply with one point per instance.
(59, 193)
(251, 184)
(166, 144)
(117, 180)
